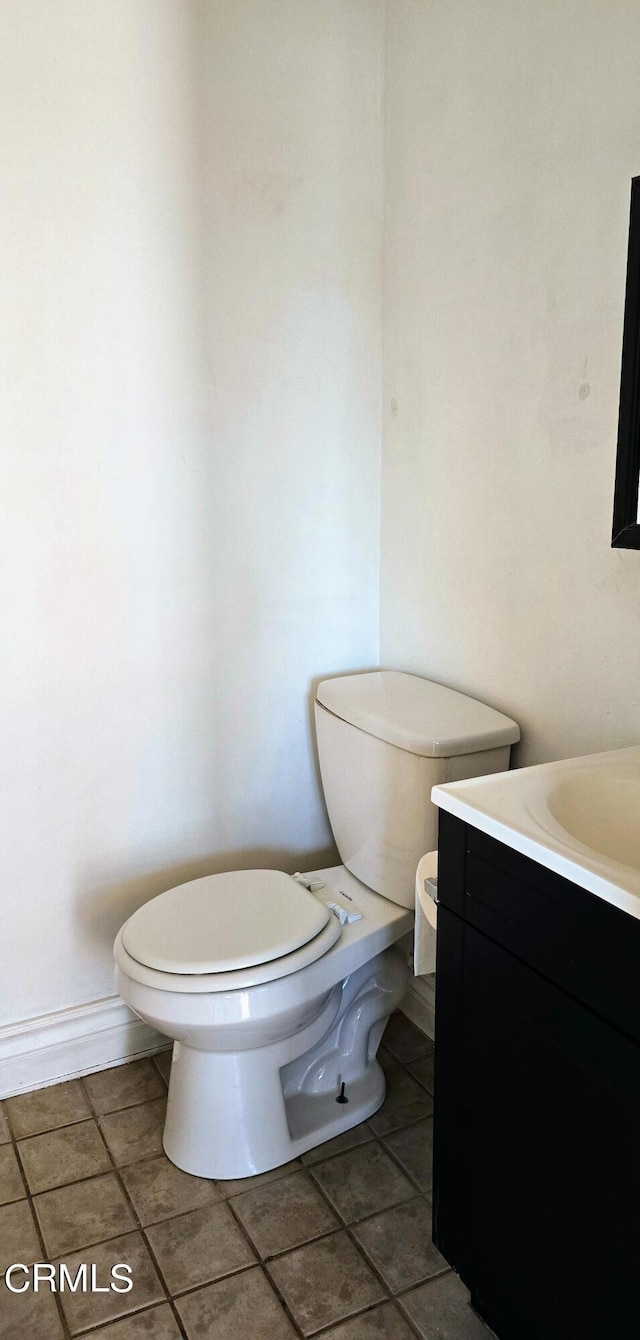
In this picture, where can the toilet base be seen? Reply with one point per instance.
(235, 1114)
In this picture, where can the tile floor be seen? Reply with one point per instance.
(336, 1244)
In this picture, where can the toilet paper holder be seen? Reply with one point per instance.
(431, 887)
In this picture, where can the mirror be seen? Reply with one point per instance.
(626, 530)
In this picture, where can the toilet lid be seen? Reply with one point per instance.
(416, 714)
(224, 922)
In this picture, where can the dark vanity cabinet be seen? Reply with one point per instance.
(537, 1103)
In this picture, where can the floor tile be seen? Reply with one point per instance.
(284, 1214)
(63, 1156)
(422, 1070)
(440, 1311)
(413, 1148)
(157, 1323)
(45, 1109)
(247, 1183)
(19, 1240)
(124, 1085)
(362, 1182)
(31, 1315)
(86, 1212)
(325, 1282)
(381, 1323)
(406, 1101)
(163, 1062)
(136, 1132)
(358, 1135)
(399, 1244)
(404, 1039)
(11, 1183)
(159, 1190)
(243, 1307)
(387, 1060)
(199, 1247)
(94, 1309)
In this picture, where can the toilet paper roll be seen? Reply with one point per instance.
(424, 944)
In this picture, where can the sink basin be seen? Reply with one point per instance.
(600, 809)
(579, 817)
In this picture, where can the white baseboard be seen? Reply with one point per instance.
(419, 1004)
(73, 1042)
(69, 1043)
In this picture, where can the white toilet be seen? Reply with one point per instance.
(277, 988)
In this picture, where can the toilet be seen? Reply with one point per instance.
(276, 988)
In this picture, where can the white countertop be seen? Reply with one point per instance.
(579, 817)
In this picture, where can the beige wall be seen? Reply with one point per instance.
(190, 336)
(190, 310)
(512, 133)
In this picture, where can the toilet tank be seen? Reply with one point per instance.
(384, 740)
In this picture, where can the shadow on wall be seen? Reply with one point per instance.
(104, 902)
(311, 698)
(107, 893)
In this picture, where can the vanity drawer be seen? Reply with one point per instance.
(577, 941)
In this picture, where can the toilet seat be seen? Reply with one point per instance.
(240, 979)
(226, 932)
(222, 923)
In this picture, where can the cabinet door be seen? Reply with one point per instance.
(550, 1121)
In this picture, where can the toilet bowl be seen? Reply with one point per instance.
(275, 988)
(247, 1059)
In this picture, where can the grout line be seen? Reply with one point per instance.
(126, 1107)
(28, 1200)
(421, 1082)
(77, 1181)
(51, 1130)
(337, 1153)
(364, 1219)
(414, 1289)
(281, 1299)
(349, 1227)
(218, 1279)
(286, 1251)
(157, 1067)
(341, 1226)
(244, 1270)
(396, 1159)
(136, 1217)
(262, 1264)
(115, 1321)
(408, 1060)
(353, 1316)
(404, 1126)
(354, 1241)
(408, 1320)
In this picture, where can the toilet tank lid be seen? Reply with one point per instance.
(416, 714)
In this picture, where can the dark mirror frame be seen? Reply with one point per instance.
(626, 531)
